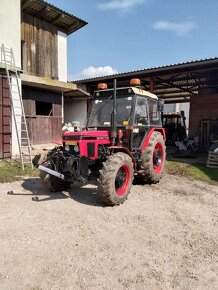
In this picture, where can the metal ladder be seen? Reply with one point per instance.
(8, 60)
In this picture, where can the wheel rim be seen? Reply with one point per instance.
(122, 180)
(158, 157)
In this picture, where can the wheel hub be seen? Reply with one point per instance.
(120, 178)
(157, 157)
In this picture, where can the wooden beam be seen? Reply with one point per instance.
(43, 12)
(25, 3)
(58, 18)
(73, 26)
(174, 101)
(176, 86)
(151, 87)
(47, 83)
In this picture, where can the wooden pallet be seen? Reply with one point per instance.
(212, 160)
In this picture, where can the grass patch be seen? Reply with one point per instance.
(196, 171)
(12, 171)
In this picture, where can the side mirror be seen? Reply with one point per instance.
(160, 105)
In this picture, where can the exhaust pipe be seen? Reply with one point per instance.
(51, 172)
(114, 115)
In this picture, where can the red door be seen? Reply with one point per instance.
(5, 118)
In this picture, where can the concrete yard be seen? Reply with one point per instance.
(164, 236)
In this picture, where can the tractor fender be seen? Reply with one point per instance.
(124, 150)
(147, 138)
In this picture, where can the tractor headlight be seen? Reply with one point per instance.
(67, 148)
(76, 148)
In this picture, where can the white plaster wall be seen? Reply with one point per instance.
(75, 110)
(62, 56)
(10, 36)
(10, 27)
(169, 108)
(178, 107)
(186, 108)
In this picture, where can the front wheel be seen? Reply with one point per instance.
(115, 179)
(51, 182)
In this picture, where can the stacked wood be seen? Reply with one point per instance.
(212, 160)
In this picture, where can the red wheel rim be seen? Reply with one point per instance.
(158, 157)
(122, 180)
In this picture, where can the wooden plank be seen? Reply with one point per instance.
(213, 154)
(1, 145)
(1, 121)
(41, 136)
(212, 166)
(212, 160)
(56, 130)
(51, 131)
(42, 46)
(43, 129)
(57, 110)
(5, 117)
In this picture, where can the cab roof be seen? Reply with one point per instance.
(136, 90)
(145, 93)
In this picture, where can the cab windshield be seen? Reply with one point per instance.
(102, 108)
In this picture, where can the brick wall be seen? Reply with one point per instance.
(203, 106)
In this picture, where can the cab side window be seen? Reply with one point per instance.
(154, 114)
(141, 113)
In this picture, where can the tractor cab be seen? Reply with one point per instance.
(175, 127)
(137, 111)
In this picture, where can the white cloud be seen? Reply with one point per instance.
(180, 28)
(120, 5)
(92, 72)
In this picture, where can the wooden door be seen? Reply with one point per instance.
(5, 118)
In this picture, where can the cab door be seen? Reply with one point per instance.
(141, 122)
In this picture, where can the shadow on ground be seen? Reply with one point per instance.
(85, 195)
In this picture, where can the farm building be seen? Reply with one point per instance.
(191, 86)
(37, 32)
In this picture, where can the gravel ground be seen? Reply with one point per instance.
(164, 236)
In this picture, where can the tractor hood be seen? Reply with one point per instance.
(86, 143)
(86, 135)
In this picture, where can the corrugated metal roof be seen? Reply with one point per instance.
(173, 83)
(49, 13)
(153, 69)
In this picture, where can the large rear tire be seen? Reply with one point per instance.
(51, 182)
(153, 159)
(115, 179)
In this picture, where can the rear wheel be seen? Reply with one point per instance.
(153, 159)
(115, 179)
(51, 182)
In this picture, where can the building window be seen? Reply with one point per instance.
(44, 109)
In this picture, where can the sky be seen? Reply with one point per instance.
(127, 35)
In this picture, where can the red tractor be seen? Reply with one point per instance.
(123, 137)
